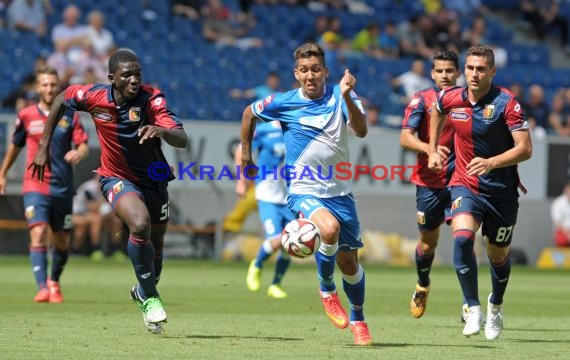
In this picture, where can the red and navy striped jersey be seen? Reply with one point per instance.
(117, 129)
(58, 178)
(417, 118)
(483, 130)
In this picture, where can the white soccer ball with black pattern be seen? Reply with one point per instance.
(301, 238)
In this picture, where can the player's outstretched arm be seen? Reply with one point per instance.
(246, 136)
(41, 159)
(174, 137)
(9, 158)
(356, 118)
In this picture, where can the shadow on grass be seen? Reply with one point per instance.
(213, 337)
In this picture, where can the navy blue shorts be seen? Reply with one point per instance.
(497, 215)
(433, 207)
(45, 209)
(155, 199)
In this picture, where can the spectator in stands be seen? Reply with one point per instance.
(560, 215)
(389, 41)
(187, 8)
(29, 15)
(271, 85)
(411, 39)
(220, 27)
(94, 217)
(321, 25)
(537, 111)
(544, 15)
(100, 39)
(70, 37)
(412, 80)
(559, 118)
(71, 45)
(367, 41)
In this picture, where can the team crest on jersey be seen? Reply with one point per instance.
(134, 114)
(456, 203)
(64, 122)
(30, 212)
(118, 187)
(421, 216)
(488, 111)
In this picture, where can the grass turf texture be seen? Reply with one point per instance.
(213, 316)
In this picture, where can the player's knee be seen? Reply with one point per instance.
(140, 227)
(330, 228)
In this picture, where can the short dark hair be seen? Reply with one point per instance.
(308, 50)
(483, 51)
(121, 56)
(46, 70)
(446, 56)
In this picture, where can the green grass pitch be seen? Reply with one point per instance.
(213, 316)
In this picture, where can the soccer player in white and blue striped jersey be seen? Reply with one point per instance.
(315, 119)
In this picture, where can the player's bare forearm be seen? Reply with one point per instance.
(409, 141)
(246, 134)
(175, 137)
(356, 118)
(9, 159)
(435, 128)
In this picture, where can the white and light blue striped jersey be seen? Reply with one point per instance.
(268, 142)
(316, 138)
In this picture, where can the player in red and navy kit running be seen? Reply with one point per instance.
(47, 204)
(131, 120)
(491, 138)
(433, 199)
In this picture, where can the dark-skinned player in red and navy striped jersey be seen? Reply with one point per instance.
(131, 119)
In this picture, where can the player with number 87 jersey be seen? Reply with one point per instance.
(491, 138)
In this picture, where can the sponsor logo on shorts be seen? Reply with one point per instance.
(30, 212)
(421, 217)
(118, 187)
(456, 203)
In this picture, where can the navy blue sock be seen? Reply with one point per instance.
(325, 266)
(499, 279)
(466, 265)
(281, 267)
(38, 257)
(59, 259)
(423, 266)
(157, 266)
(141, 253)
(354, 287)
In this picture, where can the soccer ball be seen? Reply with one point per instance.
(301, 238)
